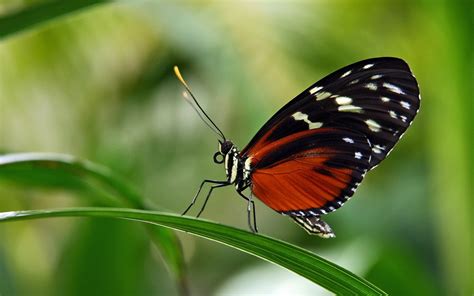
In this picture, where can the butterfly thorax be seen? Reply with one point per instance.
(237, 168)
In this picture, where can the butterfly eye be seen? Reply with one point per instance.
(218, 157)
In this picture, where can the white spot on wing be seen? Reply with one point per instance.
(315, 90)
(403, 118)
(348, 140)
(405, 105)
(347, 73)
(322, 95)
(301, 116)
(354, 81)
(375, 77)
(358, 155)
(314, 125)
(343, 100)
(371, 86)
(376, 150)
(380, 147)
(393, 88)
(350, 108)
(373, 125)
(368, 66)
(385, 99)
(392, 114)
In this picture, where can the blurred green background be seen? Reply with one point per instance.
(98, 84)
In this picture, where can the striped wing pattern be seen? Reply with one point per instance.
(309, 158)
(377, 97)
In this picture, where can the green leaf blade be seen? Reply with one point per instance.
(322, 272)
(41, 13)
(69, 172)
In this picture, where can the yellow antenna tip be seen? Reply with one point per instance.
(178, 74)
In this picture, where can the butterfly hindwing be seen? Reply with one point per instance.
(312, 172)
(377, 97)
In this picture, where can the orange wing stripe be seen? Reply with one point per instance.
(297, 185)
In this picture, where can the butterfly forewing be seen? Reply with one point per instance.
(377, 97)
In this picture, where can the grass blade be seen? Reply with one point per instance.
(322, 272)
(41, 13)
(56, 167)
(66, 171)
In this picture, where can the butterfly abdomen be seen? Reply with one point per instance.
(314, 225)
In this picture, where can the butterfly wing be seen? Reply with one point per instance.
(310, 173)
(309, 158)
(378, 98)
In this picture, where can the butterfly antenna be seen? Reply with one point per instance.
(189, 100)
(200, 112)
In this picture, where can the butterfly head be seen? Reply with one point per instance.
(224, 148)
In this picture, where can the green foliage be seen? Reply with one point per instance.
(334, 278)
(41, 13)
(69, 172)
(94, 80)
(57, 167)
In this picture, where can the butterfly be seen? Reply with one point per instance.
(309, 158)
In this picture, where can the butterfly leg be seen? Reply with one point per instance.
(209, 194)
(250, 201)
(199, 191)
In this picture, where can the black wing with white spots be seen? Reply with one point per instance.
(378, 98)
